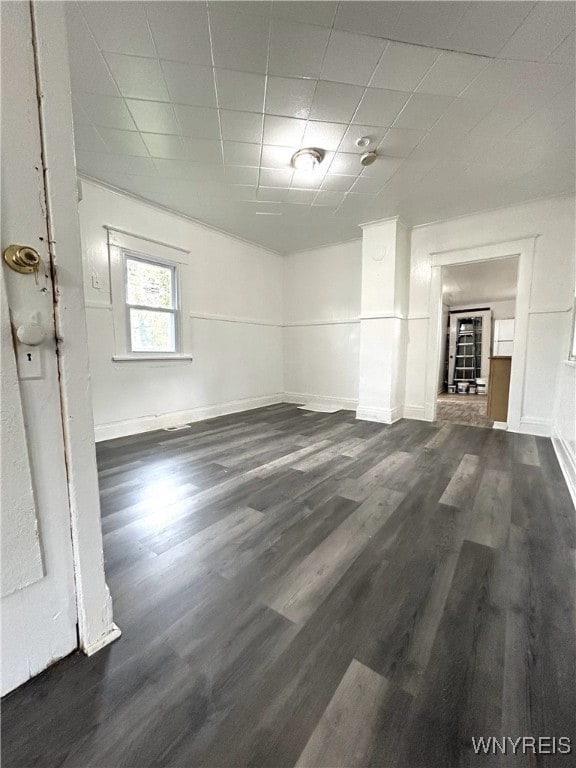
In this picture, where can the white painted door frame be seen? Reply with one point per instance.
(524, 250)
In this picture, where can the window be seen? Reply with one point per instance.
(152, 312)
(572, 354)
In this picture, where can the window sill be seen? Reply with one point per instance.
(151, 358)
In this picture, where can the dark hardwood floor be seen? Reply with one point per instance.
(305, 589)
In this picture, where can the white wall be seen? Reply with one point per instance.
(232, 316)
(550, 300)
(321, 318)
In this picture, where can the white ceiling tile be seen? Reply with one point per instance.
(137, 166)
(541, 32)
(239, 40)
(276, 157)
(565, 53)
(241, 126)
(400, 142)
(422, 111)
(87, 139)
(383, 168)
(403, 66)
(509, 135)
(120, 27)
(200, 122)
(204, 150)
(123, 142)
(301, 196)
(180, 31)
(137, 77)
(207, 173)
(190, 84)
(276, 177)
(107, 111)
(321, 13)
(380, 107)
(161, 145)
(153, 116)
(174, 169)
(240, 153)
(336, 102)
(240, 90)
(88, 70)
(241, 192)
(427, 24)
(272, 194)
(283, 131)
(236, 174)
(346, 164)
(486, 26)
(330, 198)
(354, 132)
(334, 183)
(452, 73)
(367, 185)
(368, 18)
(297, 50)
(107, 166)
(325, 136)
(351, 58)
(289, 97)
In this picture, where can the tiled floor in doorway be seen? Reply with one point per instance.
(463, 409)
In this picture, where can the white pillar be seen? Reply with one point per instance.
(383, 319)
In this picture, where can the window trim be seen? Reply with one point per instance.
(176, 311)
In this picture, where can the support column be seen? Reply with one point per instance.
(383, 320)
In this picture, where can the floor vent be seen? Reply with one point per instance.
(177, 428)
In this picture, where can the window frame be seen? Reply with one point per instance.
(176, 311)
(572, 348)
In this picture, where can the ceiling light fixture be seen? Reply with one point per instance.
(363, 141)
(368, 158)
(307, 159)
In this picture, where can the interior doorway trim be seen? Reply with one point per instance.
(523, 249)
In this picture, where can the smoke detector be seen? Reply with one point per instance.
(368, 158)
(363, 141)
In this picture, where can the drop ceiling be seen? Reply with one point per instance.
(481, 281)
(199, 107)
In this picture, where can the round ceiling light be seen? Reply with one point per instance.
(368, 158)
(363, 141)
(307, 159)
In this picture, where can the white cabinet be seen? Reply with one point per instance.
(504, 337)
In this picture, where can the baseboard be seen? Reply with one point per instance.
(417, 412)
(535, 426)
(300, 398)
(113, 634)
(172, 419)
(382, 415)
(567, 461)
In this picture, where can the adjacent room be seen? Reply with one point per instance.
(288, 384)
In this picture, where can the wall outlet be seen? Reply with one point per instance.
(29, 362)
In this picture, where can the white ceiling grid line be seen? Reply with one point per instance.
(199, 106)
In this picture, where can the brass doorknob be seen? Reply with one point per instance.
(22, 258)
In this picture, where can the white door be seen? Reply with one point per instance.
(39, 613)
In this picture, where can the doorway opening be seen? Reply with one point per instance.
(477, 342)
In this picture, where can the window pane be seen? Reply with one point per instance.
(152, 331)
(150, 285)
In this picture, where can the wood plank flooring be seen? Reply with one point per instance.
(305, 589)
